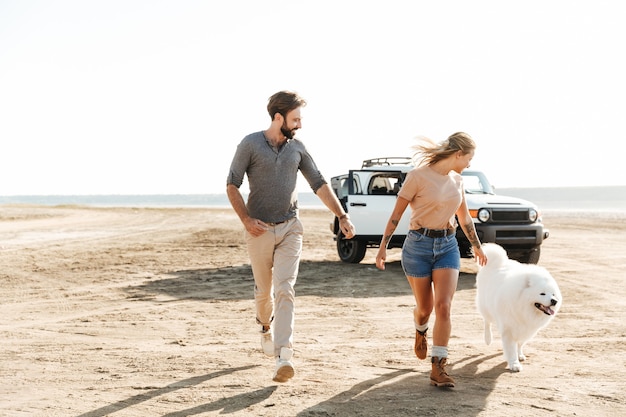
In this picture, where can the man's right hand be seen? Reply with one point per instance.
(255, 227)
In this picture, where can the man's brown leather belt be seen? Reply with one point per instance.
(277, 223)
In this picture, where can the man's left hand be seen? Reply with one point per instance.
(347, 228)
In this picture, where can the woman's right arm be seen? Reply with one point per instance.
(392, 224)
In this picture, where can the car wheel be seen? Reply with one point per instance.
(350, 250)
(530, 257)
(533, 256)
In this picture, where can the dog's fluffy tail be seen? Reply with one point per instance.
(496, 255)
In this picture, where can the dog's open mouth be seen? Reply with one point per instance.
(546, 309)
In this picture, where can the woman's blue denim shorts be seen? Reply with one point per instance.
(422, 254)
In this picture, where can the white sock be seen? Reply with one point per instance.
(421, 327)
(439, 352)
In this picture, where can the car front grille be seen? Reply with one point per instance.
(509, 216)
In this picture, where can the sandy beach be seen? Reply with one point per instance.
(149, 312)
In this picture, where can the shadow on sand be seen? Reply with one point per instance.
(402, 392)
(229, 405)
(316, 278)
(399, 392)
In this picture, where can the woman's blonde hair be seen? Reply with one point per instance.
(427, 152)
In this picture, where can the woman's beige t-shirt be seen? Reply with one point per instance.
(434, 198)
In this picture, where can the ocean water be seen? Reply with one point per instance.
(603, 199)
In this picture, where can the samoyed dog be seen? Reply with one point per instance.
(519, 299)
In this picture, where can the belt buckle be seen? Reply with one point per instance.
(276, 223)
(438, 233)
(435, 233)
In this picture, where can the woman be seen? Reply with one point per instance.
(430, 254)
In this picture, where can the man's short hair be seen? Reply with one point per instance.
(283, 102)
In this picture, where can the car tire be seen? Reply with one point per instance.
(529, 257)
(350, 250)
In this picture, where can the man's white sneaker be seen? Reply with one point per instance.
(267, 342)
(284, 367)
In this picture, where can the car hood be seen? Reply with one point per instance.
(475, 201)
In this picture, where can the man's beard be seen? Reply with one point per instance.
(288, 133)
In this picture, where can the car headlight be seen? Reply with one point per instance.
(484, 215)
(533, 215)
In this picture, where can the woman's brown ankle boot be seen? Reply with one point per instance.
(438, 376)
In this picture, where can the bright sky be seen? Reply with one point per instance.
(143, 97)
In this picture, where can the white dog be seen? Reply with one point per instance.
(518, 298)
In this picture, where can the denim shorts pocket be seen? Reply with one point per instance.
(450, 238)
(413, 236)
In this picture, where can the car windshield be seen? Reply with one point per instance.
(476, 184)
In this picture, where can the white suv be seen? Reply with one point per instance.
(368, 195)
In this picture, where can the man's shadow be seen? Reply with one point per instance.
(229, 405)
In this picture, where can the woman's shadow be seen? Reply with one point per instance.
(406, 392)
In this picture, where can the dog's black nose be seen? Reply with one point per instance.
(553, 302)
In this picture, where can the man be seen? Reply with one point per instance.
(271, 160)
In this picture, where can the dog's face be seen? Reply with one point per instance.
(543, 294)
